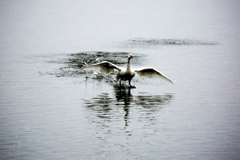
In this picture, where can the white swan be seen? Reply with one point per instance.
(128, 73)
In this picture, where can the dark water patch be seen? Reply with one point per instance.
(149, 101)
(74, 64)
(79, 60)
(100, 104)
(142, 42)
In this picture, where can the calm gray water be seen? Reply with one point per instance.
(50, 110)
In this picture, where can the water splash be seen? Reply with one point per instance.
(75, 63)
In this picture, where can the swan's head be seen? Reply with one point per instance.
(130, 56)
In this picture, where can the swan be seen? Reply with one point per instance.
(126, 74)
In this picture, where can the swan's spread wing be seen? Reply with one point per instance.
(104, 67)
(152, 73)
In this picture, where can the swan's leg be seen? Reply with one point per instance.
(120, 82)
(130, 86)
(129, 81)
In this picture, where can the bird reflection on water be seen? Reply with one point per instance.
(125, 97)
(109, 108)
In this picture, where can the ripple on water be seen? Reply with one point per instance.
(145, 43)
(107, 105)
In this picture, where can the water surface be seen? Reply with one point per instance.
(52, 109)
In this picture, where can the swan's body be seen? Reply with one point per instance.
(126, 74)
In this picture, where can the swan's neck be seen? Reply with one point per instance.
(128, 64)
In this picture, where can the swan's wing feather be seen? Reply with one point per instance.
(152, 73)
(103, 67)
